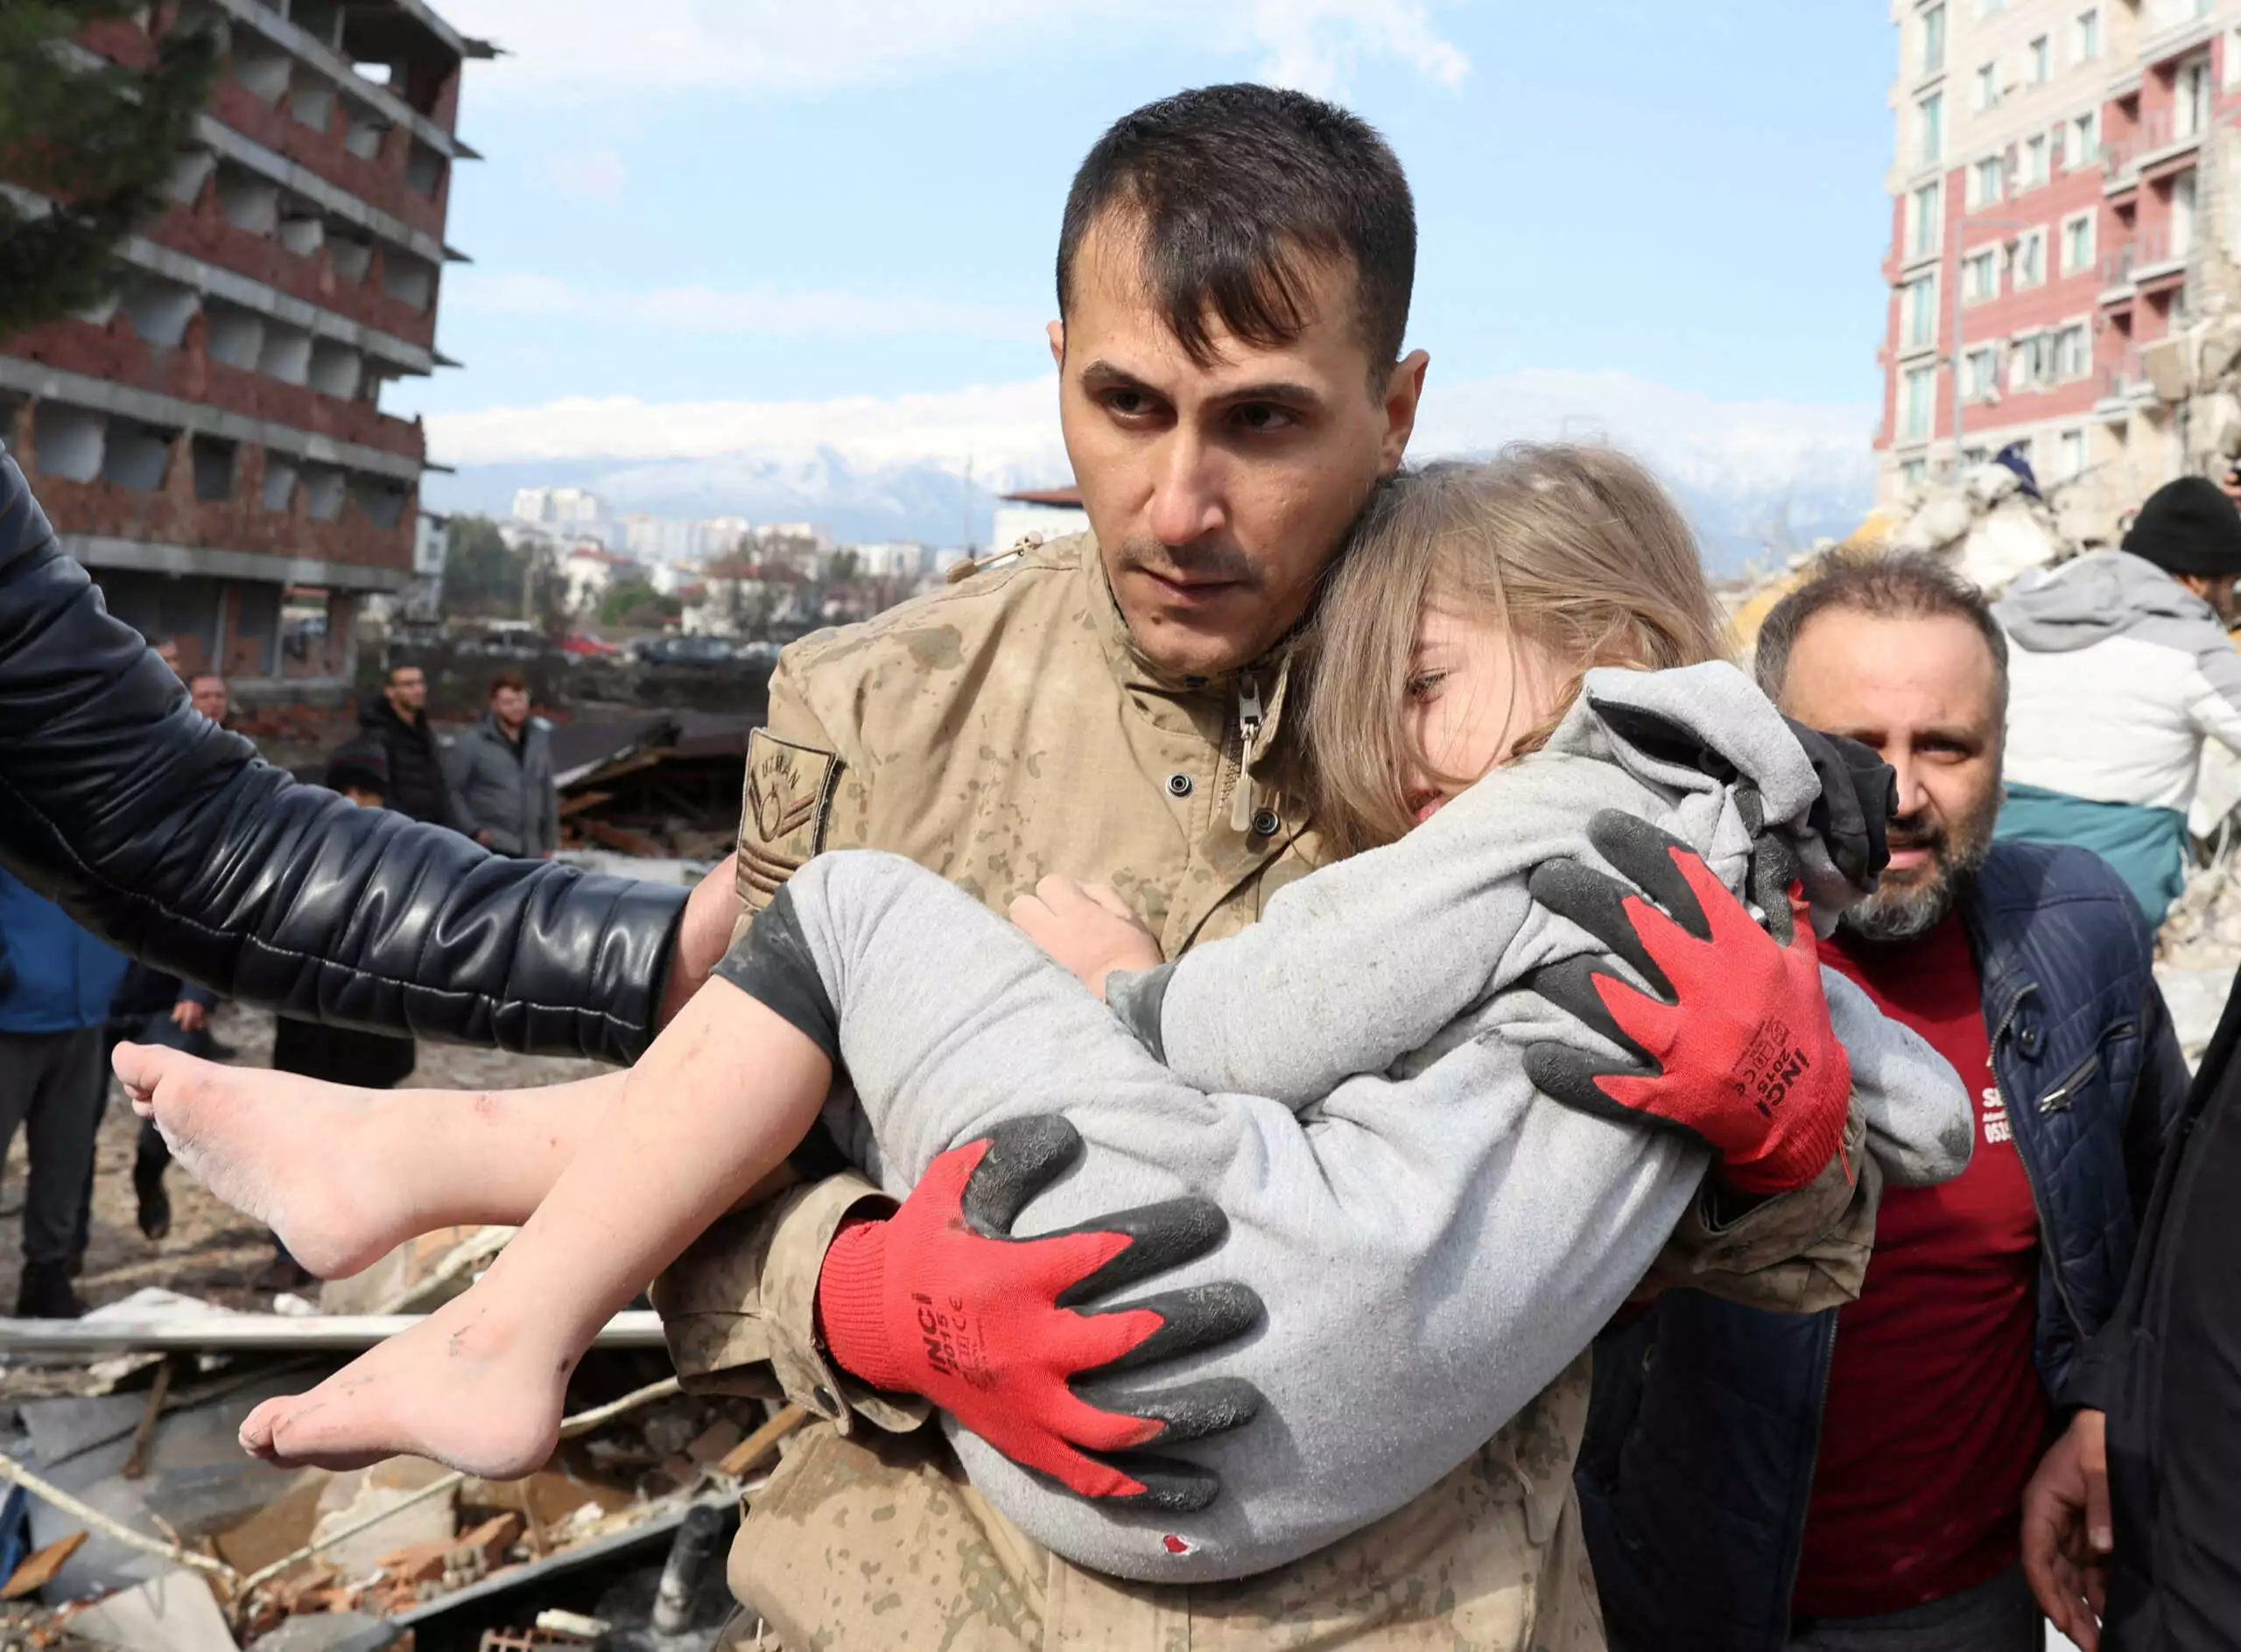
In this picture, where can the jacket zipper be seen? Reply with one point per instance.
(2038, 1204)
(1249, 718)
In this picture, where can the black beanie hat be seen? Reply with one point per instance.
(2188, 526)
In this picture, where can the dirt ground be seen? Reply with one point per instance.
(213, 1251)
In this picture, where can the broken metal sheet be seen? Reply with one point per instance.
(240, 1331)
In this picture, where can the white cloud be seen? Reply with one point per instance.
(582, 46)
(721, 310)
(1004, 426)
(1728, 448)
(596, 174)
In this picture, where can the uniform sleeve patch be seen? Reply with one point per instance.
(782, 814)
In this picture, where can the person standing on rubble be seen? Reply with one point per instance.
(1237, 270)
(2120, 665)
(504, 767)
(56, 982)
(1753, 1482)
(398, 721)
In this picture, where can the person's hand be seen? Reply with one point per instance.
(711, 914)
(189, 1016)
(2067, 1531)
(483, 838)
(1087, 928)
(1735, 1050)
(940, 1300)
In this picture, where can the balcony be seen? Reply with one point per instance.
(2120, 384)
(2161, 136)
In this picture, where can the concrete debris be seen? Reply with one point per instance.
(1987, 526)
(175, 1613)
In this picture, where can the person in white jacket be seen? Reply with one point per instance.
(2119, 666)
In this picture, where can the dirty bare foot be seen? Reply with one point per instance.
(301, 1155)
(466, 1386)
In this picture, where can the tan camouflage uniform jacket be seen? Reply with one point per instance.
(996, 732)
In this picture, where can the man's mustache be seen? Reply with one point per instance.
(1201, 559)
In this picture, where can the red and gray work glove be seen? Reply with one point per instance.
(940, 1300)
(1734, 1048)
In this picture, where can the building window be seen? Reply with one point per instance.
(1930, 127)
(1920, 404)
(1985, 8)
(2190, 113)
(1980, 276)
(2027, 359)
(2085, 35)
(1918, 314)
(2084, 145)
(2077, 244)
(1928, 219)
(1934, 40)
(2182, 214)
(1913, 473)
(1982, 378)
(2069, 455)
(1987, 87)
(2073, 352)
(1986, 178)
(2038, 60)
(2031, 162)
(2030, 258)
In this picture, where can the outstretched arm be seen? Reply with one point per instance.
(169, 837)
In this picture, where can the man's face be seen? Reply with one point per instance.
(2216, 589)
(407, 690)
(1925, 693)
(208, 695)
(1218, 493)
(167, 651)
(510, 707)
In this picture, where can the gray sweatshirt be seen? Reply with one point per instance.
(1434, 1239)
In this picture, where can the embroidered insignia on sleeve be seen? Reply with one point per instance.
(783, 813)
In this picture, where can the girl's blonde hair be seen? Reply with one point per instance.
(1576, 548)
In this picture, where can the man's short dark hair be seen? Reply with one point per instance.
(192, 677)
(1230, 188)
(1915, 586)
(389, 677)
(507, 680)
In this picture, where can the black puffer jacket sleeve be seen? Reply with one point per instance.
(171, 839)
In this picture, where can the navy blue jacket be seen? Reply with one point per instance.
(1697, 1465)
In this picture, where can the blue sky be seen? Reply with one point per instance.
(746, 222)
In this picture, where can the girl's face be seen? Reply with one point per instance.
(1474, 691)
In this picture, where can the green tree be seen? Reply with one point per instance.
(480, 573)
(98, 140)
(638, 604)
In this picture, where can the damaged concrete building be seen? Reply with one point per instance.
(2065, 218)
(211, 445)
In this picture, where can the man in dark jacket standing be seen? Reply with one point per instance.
(56, 982)
(398, 721)
(504, 769)
(1853, 1480)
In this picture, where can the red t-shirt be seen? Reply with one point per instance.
(1935, 1413)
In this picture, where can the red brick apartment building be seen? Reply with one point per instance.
(211, 445)
(2055, 210)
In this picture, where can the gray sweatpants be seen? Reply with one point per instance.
(51, 1084)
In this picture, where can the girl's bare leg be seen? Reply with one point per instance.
(343, 1174)
(725, 1092)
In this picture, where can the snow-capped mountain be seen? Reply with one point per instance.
(1760, 480)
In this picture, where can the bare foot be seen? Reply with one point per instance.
(459, 1388)
(289, 1150)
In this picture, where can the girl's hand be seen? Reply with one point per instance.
(1087, 928)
